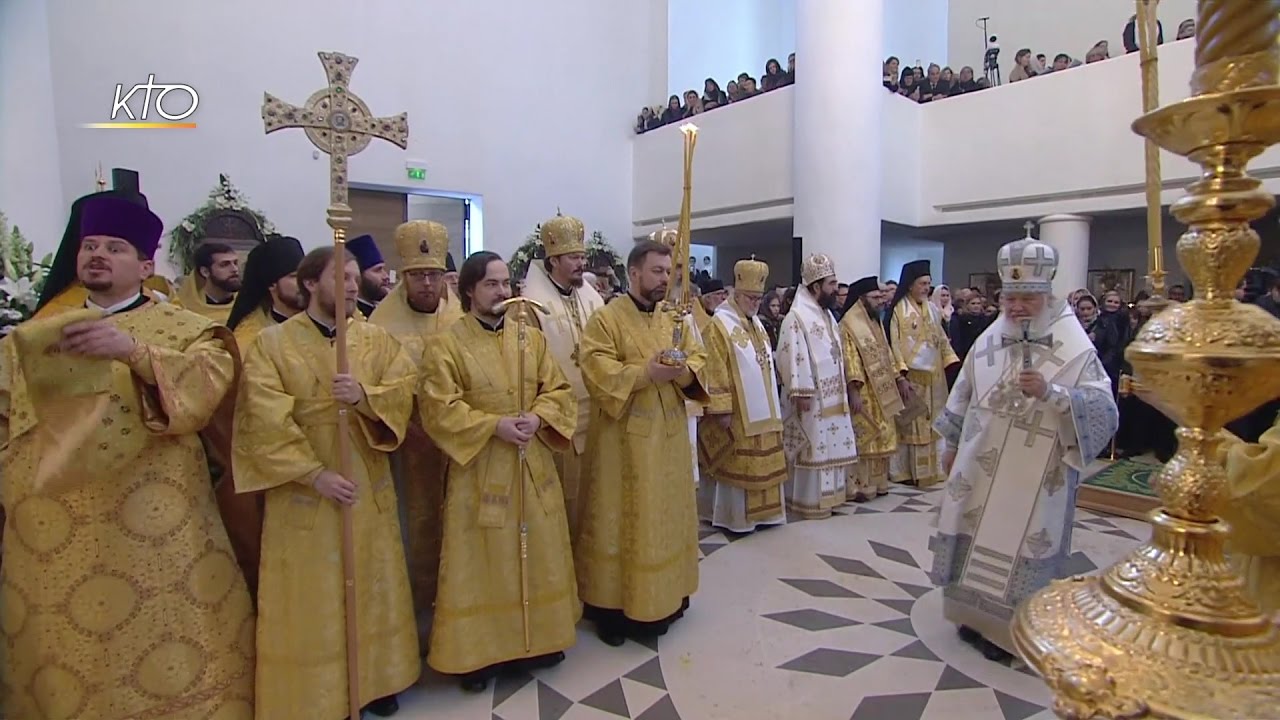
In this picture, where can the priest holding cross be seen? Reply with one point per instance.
(1025, 418)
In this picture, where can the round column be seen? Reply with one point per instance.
(837, 137)
(1069, 235)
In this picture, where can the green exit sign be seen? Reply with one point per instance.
(416, 173)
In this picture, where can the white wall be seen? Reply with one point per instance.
(450, 212)
(722, 38)
(743, 165)
(917, 30)
(896, 251)
(1048, 26)
(31, 191)
(495, 107)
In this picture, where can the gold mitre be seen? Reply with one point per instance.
(666, 236)
(563, 234)
(750, 275)
(816, 267)
(422, 245)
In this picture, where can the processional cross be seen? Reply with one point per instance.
(340, 125)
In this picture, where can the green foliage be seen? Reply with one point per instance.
(184, 238)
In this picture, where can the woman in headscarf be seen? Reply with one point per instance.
(774, 77)
(674, 111)
(771, 316)
(942, 298)
(964, 82)
(907, 85)
(712, 96)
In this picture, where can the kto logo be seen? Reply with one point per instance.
(180, 107)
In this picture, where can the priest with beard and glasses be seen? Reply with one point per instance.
(637, 544)
(1023, 422)
(121, 596)
(416, 312)
(913, 326)
(740, 439)
(269, 294)
(375, 276)
(817, 431)
(557, 282)
(877, 387)
(286, 446)
(211, 287)
(502, 456)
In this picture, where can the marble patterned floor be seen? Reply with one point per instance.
(822, 620)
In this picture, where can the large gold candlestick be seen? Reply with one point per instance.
(678, 291)
(1147, 31)
(1170, 631)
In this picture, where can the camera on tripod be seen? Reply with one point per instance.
(990, 61)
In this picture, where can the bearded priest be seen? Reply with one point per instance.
(269, 294)
(637, 547)
(817, 431)
(1027, 414)
(913, 326)
(877, 386)
(416, 311)
(556, 281)
(740, 439)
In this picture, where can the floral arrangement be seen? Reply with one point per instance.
(600, 254)
(187, 235)
(23, 278)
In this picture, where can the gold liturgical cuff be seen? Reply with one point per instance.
(139, 361)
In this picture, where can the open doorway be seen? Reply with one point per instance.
(377, 210)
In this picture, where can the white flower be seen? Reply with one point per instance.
(188, 226)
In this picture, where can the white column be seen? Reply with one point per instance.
(836, 165)
(1069, 235)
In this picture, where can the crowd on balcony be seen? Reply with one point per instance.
(744, 87)
(918, 83)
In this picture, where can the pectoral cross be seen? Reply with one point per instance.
(1024, 342)
(336, 120)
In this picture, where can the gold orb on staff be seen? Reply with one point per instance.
(1170, 631)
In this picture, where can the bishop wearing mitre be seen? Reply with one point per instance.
(556, 281)
(877, 383)
(416, 311)
(817, 431)
(1019, 430)
(637, 547)
(740, 439)
(286, 445)
(913, 326)
(500, 429)
(121, 595)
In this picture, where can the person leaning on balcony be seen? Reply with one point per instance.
(1022, 66)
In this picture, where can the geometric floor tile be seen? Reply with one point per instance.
(915, 591)
(708, 548)
(916, 651)
(953, 679)
(901, 625)
(891, 707)
(551, 704)
(849, 566)
(902, 606)
(895, 554)
(610, 699)
(1079, 564)
(812, 620)
(664, 709)
(650, 674)
(820, 588)
(1016, 708)
(827, 661)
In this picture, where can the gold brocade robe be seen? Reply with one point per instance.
(916, 334)
(637, 547)
(120, 595)
(191, 297)
(468, 384)
(756, 463)
(252, 324)
(875, 366)
(419, 465)
(1253, 476)
(285, 433)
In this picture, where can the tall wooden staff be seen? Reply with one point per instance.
(1147, 31)
(521, 306)
(340, 125)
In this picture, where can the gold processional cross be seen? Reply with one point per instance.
(338, 123)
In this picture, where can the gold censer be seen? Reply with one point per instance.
(1170, 631)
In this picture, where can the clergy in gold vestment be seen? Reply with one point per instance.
(557, 283)
(269, 293)
(1253, 473)
(468, 404)
(120, 596)
(286, 445)
(817, 431)
(913, 327)
(740, 439)
(637, 547)
(877, 382)
(415, 312)
(211, 287)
